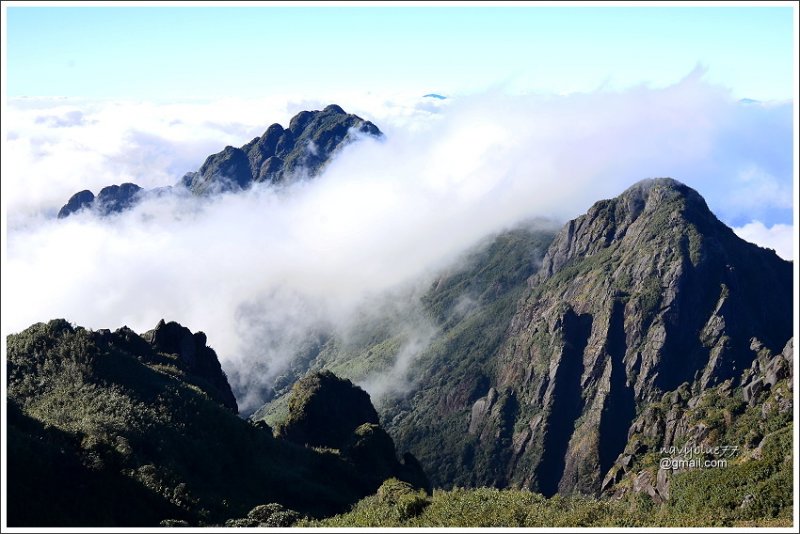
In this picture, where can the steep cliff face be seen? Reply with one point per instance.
(748, 419)
(643, 293)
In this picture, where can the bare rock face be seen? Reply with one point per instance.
(766, 371)
(116, 198)
(642, 294)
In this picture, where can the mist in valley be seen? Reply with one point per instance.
(273, 274)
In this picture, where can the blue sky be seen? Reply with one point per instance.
(173, 52)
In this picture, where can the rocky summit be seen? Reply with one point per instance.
(641, 295)
(195, 357)
(303, 148)
(279, 155)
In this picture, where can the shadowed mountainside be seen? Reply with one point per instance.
(116, 429)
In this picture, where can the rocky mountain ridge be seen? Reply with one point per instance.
(277, 156)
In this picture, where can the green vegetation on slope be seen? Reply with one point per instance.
(750, 433)
(754, 492)
(103, 431)
(471, 307)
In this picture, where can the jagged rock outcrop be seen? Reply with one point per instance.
(738, 420)
(302, 149)
(196, 358)
(175, 348)
(644, 293)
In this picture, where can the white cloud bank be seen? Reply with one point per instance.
(261, 271)
(779, 237)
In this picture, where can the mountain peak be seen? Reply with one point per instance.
(643, 293)
(659, 190)
(642, 189)
(310, 141)
(654, 208)
(280, 154)
(197, 360)
(333, 108)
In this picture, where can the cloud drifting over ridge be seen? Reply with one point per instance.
(262, 270)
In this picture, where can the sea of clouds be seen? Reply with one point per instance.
(261, 270)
